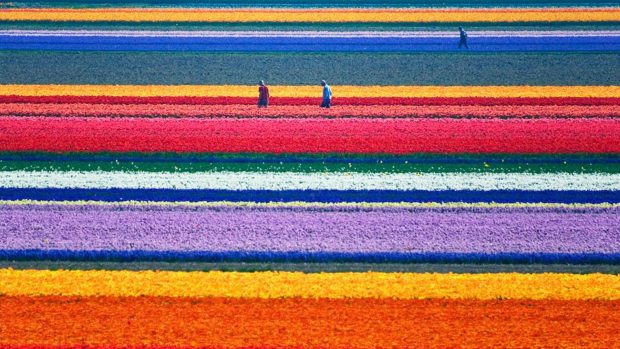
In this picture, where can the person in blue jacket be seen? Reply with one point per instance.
(463, 35)
(327, 95)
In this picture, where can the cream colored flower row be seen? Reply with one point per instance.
(576, 206)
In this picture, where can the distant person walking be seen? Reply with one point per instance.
(463, 41)
(327, 95)
(263, 95)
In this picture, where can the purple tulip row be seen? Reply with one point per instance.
(304, 229)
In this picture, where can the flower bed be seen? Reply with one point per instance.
(318, 15)
(305, 91)
(391, 136)
(320, 234)
(270, 285)
(303, 111)
(314, 101)
(166, 322)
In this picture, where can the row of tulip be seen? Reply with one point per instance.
(341, 91)
(405, 15)
(309, 42)
(286, 135)
(292, 111)
(328, 233)
(226, 180)
(322, 196)
(9, 98)
(163, 322)
(286, 4)
(270, 285)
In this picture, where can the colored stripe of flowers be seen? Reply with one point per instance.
(310, 181)
(275, 111)
(331, 196)
(322, 285)
(309, 42)
(314, 4)
(119, 322)
(335, 158)
(385, 136)
(314, 101)
(310, 91)
(471, 234)
(313, 15)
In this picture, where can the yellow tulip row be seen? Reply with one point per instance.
(302, 285)
(314, 15)
(310, 91)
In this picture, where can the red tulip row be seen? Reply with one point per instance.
(293, 111)
(310, 135)
(314, 101)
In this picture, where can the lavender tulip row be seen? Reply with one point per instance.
(216, 232)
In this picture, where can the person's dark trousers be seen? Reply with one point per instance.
(263, 103)
(463, 43)
(326, 103)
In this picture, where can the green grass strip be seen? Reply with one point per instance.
(354, 68)
(416, 163)
(319, 267)
(378, 167)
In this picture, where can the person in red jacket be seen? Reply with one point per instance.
(263, 95)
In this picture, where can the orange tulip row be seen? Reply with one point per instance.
(295, 322)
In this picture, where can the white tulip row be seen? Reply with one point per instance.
(306, 34)
(310, 181)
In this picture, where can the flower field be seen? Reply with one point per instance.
(449, 198)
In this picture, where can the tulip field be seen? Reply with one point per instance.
(449, 198)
